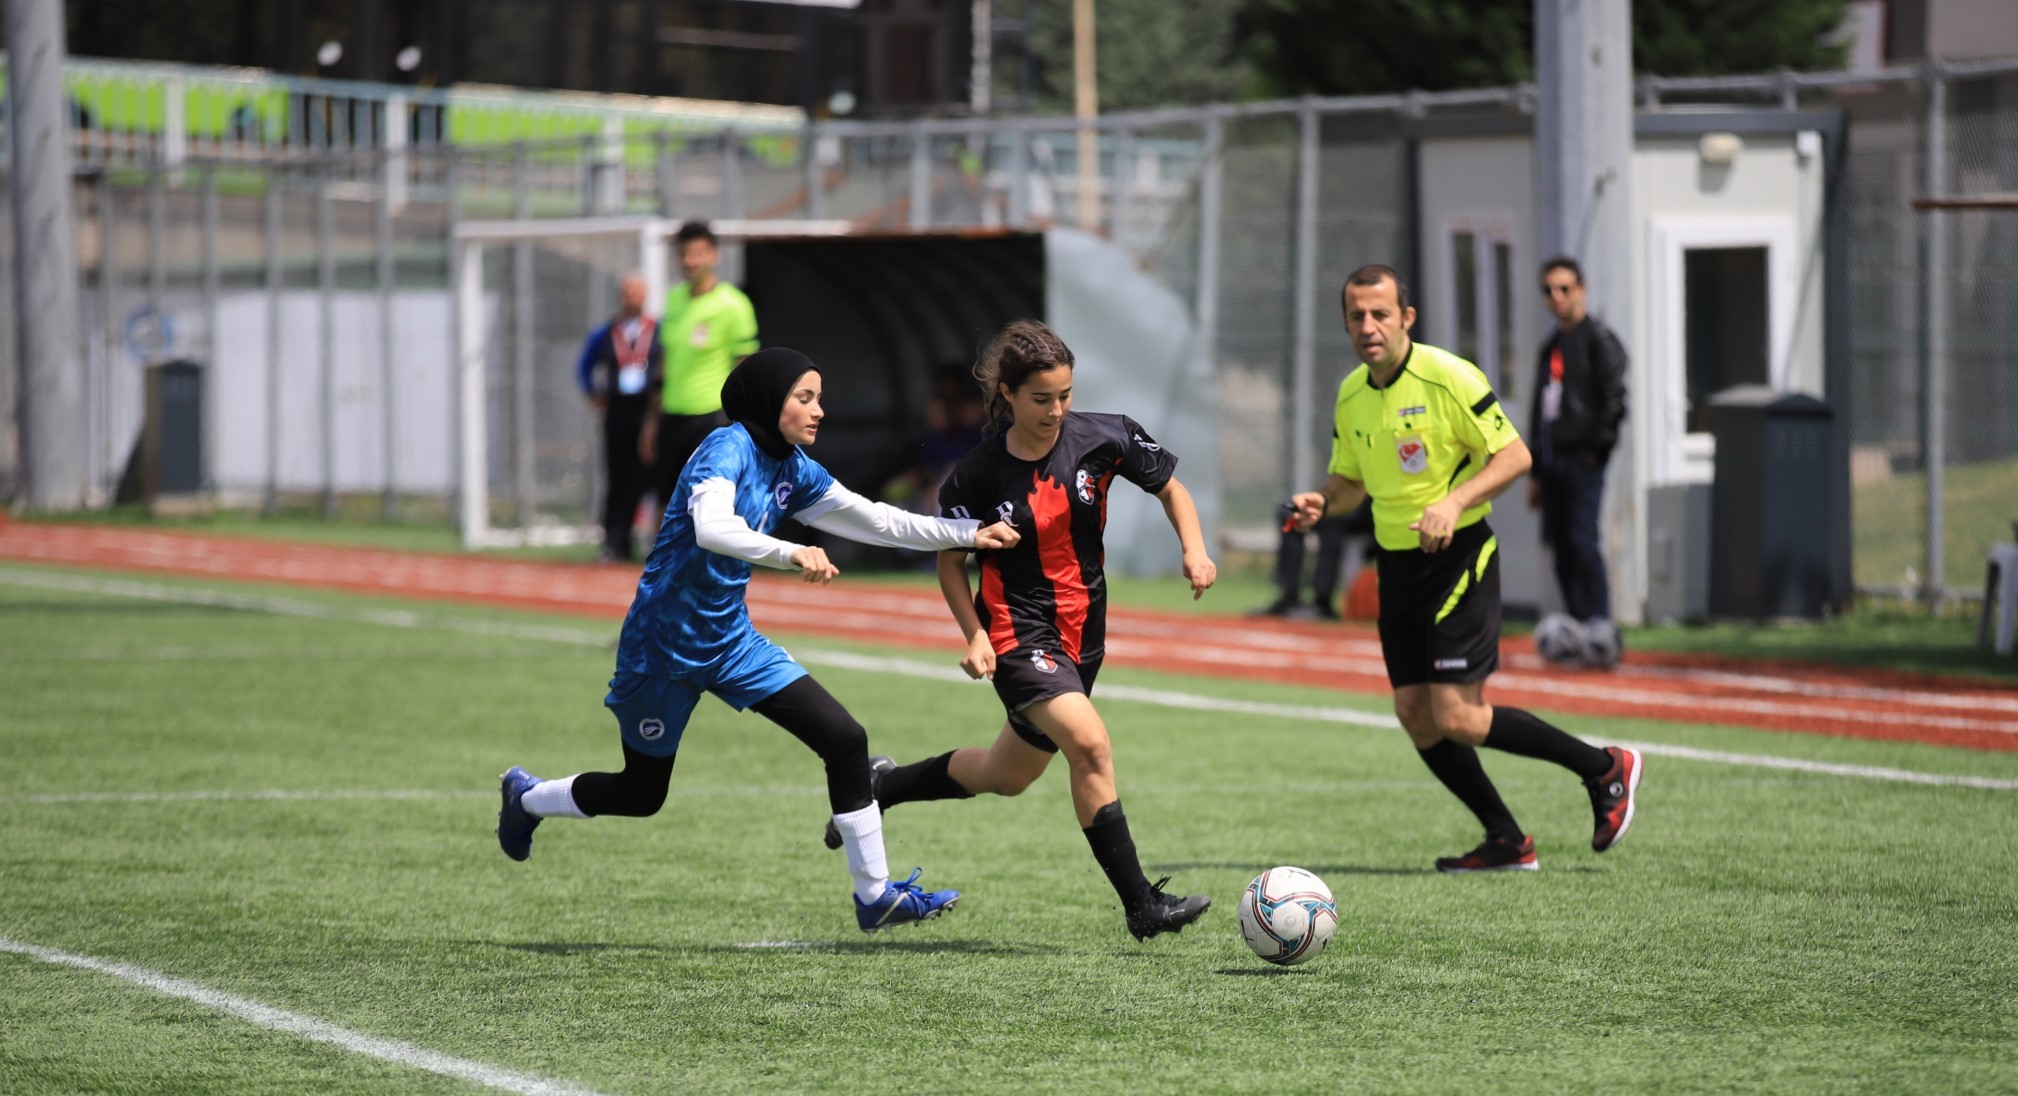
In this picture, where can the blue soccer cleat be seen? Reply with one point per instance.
(902, 904)
(514, 826)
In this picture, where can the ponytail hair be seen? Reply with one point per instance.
(1018, 350)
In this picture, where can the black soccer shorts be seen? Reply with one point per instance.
(1027, 675)
(1440, 611)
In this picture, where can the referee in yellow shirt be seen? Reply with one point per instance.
(708, 327)
(1420, 430)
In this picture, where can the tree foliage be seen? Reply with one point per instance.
(1325, 47)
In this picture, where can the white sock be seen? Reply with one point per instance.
(551, 798)
(862, 837)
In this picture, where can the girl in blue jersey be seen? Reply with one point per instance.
(689, 630)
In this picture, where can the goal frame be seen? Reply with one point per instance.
(469, 241)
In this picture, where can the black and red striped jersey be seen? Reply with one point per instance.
(1049, 593)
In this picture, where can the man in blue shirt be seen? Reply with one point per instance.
(689, 631)
(621, 362)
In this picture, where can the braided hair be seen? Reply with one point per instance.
(1018, 350)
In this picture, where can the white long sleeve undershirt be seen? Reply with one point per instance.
(846, 514)
(718, 529)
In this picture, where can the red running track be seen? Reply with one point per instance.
(1779, 696)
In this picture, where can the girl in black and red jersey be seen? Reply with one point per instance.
(1038, 625)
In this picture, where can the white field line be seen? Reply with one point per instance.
(1613, 690)
(307, 1027)
(912, 668)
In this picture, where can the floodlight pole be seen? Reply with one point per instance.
(1086, 107)
(53, 424)
(1583, 168)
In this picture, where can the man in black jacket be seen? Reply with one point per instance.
(1579, 401)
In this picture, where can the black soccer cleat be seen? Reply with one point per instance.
(1494, 854)
(878, 765)
(1160, 913)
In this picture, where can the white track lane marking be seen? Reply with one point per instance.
(912, 668)
(307, 1027)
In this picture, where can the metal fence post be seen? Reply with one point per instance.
(732, 174)
(1933, 332)
(325, 285)
(392, 162)
(452, 217)
(816, 190)
(270, 502)
(1303, 354)
(921, 178)
(1124, 181)
(667, 175)
(98, 381)
(212, 405)
(522, 346)
(1209, 182)
(1019, 177)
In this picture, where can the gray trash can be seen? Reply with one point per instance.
(1770, 511)
(172, 438)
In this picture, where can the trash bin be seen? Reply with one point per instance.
(172, 436)
(1770, 510)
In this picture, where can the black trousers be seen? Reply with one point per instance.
(679, 436)
(1332, 534)
(626, 478)
(1573, 488)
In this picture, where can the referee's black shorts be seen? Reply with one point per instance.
(1439, 611)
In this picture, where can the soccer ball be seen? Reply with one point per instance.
(1561, 641)
(1287, 916)
(1603, 645)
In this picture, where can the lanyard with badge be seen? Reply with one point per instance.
(632, 343)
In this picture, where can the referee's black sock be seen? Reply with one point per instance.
(1519, 732)
(920, 781)
(1458, 767)
(1115, 850)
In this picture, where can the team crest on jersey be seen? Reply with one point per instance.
(1084, 485)
(1043, 662)
(783, 493)
(651, 730)
(1413, 453)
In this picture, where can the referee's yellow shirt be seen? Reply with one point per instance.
(1412, 442)
(703, 337)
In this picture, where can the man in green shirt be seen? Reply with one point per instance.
(708, 327)
(1420, 431)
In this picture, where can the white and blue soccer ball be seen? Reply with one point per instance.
(1562, 640)
(1287, 916)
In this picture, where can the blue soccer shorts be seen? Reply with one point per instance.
(652, 711)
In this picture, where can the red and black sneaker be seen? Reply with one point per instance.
(1612, 797)
(1494, 854)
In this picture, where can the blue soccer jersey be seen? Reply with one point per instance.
(689, 615)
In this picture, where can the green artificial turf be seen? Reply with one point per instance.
(1760, 929)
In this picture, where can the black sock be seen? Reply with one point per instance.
(1115, 851)
(1519, 732)
(920, 781)
(637, 792)
(1458, 767)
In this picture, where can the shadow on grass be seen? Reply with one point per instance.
(795, 947)
(1316, 869)
(1261, 972)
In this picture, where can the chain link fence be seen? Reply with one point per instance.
(315, 279)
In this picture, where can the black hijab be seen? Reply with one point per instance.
(756, 391)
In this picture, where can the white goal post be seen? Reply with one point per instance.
(527, 293)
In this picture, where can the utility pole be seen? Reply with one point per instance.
(54, 471)
(1086, 107)
(1583, 177)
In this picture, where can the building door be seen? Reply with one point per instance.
(1722, 293)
